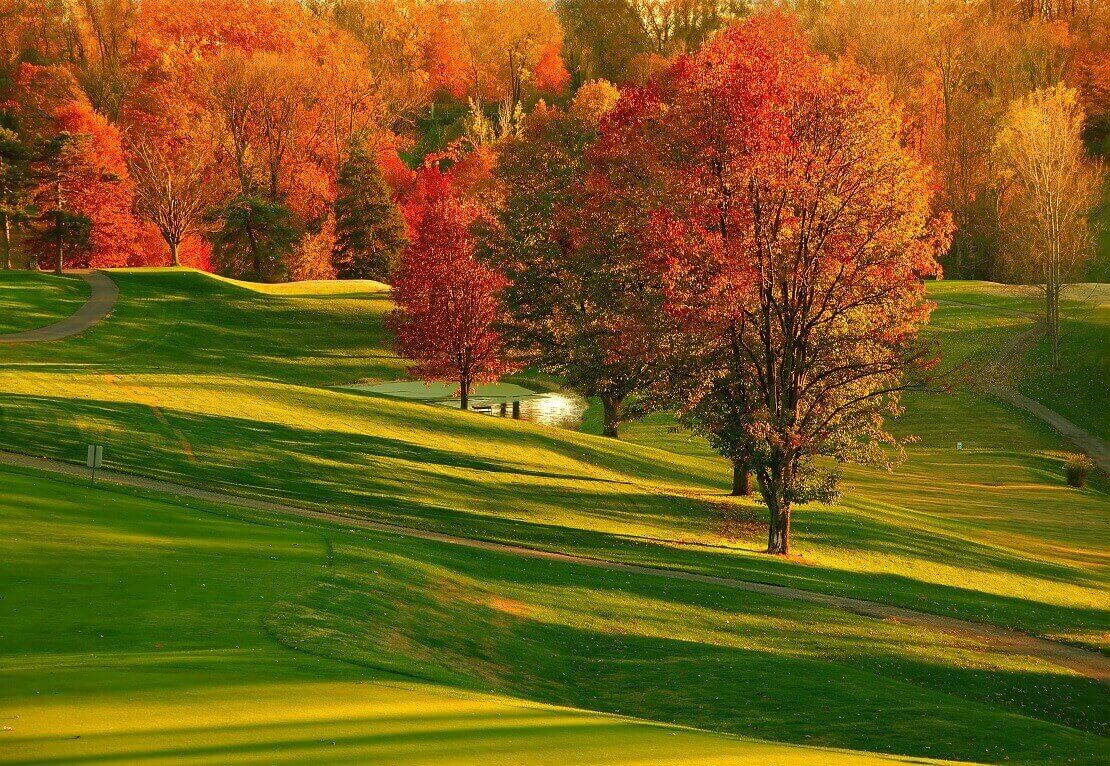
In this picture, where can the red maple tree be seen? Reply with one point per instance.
(794, 237)
(447, 301)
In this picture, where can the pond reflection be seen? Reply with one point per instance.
(563, 410)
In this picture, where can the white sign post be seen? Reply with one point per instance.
(95, 459)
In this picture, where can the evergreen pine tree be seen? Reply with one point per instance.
(369, 228)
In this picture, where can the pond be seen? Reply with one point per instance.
(561, 409)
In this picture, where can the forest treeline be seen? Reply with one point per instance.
(272, 139)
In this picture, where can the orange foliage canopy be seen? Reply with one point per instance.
(90, 176)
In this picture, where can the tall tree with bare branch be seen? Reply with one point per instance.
(1050, 189)
(173, 190)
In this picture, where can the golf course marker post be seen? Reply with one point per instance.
(95, 459)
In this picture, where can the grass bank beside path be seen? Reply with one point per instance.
(203, 382)
(149, 628)
(32, 299)
(1080, 389)
(136, 629)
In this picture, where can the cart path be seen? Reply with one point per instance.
(1002, 374)
(1085, 662)
(102, 299)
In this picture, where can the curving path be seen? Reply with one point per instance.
(1012, 353)
(1084, 662)
(102, 299)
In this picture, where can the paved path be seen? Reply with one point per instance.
(1010, 355)
(102, 299)
(1087, 663)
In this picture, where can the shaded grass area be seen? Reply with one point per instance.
(1080, 389)
(199, 381)
(690, 654)
(30, 299)
(134, 629)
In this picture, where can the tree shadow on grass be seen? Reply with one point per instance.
(411, 615)
(394, 480)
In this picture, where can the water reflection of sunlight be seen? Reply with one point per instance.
(563, 410)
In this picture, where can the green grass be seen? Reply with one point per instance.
(29, 299)
(135, 630)
(217, 384)
(1079, 390)
(1099, 268)
(145, 628)
(209, 383)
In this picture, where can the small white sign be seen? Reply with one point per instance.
(959, 446)
(96, 456)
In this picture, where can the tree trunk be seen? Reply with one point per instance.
(1052, 320)
(173, 253)
(778, 531)
(58, 222)
(611, 408)
(7, 243)
(741, 479)
(773, 484)
(464, 393)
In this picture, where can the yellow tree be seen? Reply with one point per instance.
(1049, 191)
(506, 41)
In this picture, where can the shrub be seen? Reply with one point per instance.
(1077, 469)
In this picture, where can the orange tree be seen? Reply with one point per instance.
(793, 241)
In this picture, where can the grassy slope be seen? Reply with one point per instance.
(145, 628)
(133, 630)
(29, 299)
(210, 383)
(1079, 390)
(234, 376)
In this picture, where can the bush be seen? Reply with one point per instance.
(1077, 469)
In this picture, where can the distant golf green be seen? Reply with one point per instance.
(30, 299)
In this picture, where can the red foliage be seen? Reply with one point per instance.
(90, 173)
(792, 229)
(447, 301)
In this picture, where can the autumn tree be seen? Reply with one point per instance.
(16, 185)
(602, 38)
(173, 190)
(78, 158)
(447, 301)
(1050, 191)
(676, 26)
(793, 244)
(369, 227)
(61, 234)
(577, 303)
(513, 48)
